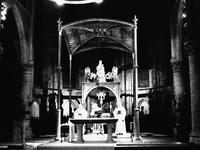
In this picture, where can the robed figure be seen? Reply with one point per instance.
(120, 114)
(81, 113)
(97, 127)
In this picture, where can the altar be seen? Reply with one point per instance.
(110, 122)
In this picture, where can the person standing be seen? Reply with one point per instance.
(81, 113)
(120, 114)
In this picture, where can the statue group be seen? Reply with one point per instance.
(100, 75)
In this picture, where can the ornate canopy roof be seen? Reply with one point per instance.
(91, 34)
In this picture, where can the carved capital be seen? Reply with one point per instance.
(192, 47)
(177, 66)
(25, 67)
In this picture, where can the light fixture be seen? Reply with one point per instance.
(62, 2)
(184, 15)
(3, 12)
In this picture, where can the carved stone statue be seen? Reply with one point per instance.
(115, 72)
(101, 96)
(87, 74)
(100, 72)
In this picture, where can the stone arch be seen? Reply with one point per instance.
(37, 101)
(87, 87)
(145, 103)
(22, 36)
(22, 23)
(75, 103)
(35, 109)
(104, 89)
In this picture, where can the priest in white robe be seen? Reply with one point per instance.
(120, 114)
(80, 112)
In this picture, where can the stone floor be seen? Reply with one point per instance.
(98, 142)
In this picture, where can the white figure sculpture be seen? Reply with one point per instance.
(100, 72)
(115, 72)
(87, 74)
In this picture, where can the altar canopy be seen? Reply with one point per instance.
(97, 33)
(91, 34)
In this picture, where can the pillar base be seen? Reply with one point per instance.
(181, 134)
(195, 138)
(136, 138)
(19, 130)
(20, 147)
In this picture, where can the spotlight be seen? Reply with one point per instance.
(62, 2)
(3, 12)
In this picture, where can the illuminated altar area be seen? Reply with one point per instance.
(98, 33)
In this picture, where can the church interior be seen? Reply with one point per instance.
(50, 54)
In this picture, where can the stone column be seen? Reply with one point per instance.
(193, 49)
(79, 133)
(109, 136)
(181, 102)
(25, 86)
(19, 127)
(22, 118)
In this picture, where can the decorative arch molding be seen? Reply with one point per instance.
(142, 100)
(22, 19)
(87, 87)
(75, 103)
(35, 109)
(36, 100)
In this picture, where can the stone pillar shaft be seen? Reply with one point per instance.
(21, 122)
(193, 49)
(181, 102)
(25, 86)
